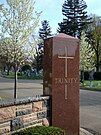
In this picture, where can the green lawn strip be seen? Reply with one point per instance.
(25, 77)
(20, 88)
(91, 89)
(95, 87)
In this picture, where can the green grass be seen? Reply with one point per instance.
(96, 85)
(19, 76)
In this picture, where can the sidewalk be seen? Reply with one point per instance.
(84, 132)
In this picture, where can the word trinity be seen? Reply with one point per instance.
(66, 80)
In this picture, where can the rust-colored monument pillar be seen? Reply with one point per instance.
(61, 81)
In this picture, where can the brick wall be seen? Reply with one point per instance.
(15, 115)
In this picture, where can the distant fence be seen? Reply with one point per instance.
(22, 113)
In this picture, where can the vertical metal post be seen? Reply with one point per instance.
(15, 82)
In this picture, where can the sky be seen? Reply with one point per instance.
(52, 10)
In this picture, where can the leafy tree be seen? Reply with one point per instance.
(93, 35)
(76, 18)
(7, 54)
(44, 32)
(18, 22)
(87, 56)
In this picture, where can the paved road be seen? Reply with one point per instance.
(90, 102)
(90, 110)
(26, 88)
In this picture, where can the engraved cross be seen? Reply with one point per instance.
(66, 57)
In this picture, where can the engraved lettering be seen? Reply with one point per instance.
(56, 80)
(66, 80)
(71, 80)
(76, 80)
(61, 80)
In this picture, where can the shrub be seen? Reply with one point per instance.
(41, 130)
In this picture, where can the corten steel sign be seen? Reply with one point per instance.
(61, 81)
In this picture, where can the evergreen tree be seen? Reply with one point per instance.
(76, 18)
(38, 57)
(44, 32)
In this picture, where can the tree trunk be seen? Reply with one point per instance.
(8, 69)
(15, 82)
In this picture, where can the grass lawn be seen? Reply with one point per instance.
(11, 76)
(94, 85)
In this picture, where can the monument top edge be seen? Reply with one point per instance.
(62, 35)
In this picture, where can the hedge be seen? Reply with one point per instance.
(41, 130)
